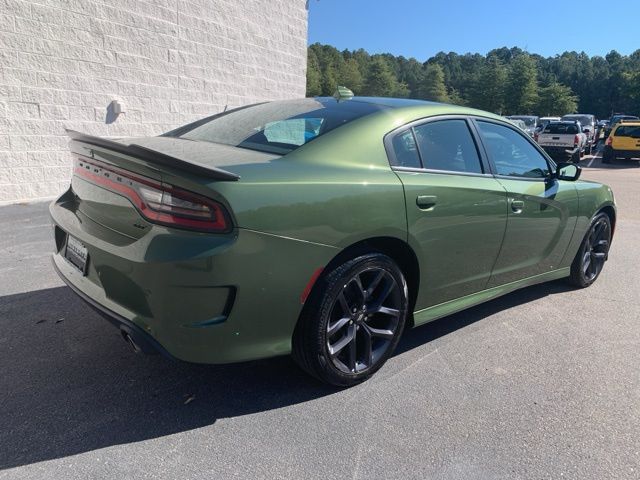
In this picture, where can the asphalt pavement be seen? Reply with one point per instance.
(543, 383)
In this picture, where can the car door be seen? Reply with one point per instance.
(456, 210)
(542, 210)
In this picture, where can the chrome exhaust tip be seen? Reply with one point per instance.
(132, 343)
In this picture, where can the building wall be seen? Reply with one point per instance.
(167, 62)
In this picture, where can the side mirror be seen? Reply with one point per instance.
(568, 171)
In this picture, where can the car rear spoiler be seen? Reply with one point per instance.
(153, 156)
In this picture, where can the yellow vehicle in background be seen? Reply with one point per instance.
(623, 142)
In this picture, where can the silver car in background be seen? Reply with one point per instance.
(588, 123)
(530, 121)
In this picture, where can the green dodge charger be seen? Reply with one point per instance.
(320, 227)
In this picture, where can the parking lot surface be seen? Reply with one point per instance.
(542, 383)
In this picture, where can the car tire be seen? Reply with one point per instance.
(575, 157)
(352, 321)
(593, 252)
(607, 155)
(589, 148)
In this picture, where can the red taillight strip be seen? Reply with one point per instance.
(119, 181)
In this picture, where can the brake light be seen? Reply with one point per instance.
(576, 139)
(157, 202)
(609, 140)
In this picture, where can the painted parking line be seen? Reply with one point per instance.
(597, 155)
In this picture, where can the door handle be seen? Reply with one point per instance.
(426, 202)
(517, 205)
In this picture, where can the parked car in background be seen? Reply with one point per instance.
(615, 119)
(600, 125)
(520, 124)
(564, 140)
(544, 121)
(320, 227)
(623, 142)
(530, 121)
(588, 124)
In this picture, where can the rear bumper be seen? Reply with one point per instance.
(147, 343)
(614, 153)
(560, 151)
(196, 297)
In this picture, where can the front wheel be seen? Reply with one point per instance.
(593, 252)
(353, 321)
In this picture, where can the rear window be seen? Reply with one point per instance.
(583, 119)
(561, 128)
(632, 131)
(276, 127)
(528, 121)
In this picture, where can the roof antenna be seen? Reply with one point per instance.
(342, 93)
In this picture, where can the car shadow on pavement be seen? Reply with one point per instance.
(71, 385)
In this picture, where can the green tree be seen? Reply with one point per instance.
(433, 86)
(489, 88)
(314, 76)
(455, 98)
(556, 100)
(522, 87)
(329, 81)
(380, 81)
(506, 80)
(350, 76)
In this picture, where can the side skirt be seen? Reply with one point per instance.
(435, 312)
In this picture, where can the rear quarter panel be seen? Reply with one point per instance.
(336, 190)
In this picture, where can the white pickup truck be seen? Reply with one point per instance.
(563, 139)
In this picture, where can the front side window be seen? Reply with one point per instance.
(447, 145)
(512, 154)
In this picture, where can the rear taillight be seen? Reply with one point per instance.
(576, 140)
(157, 202)
(535, 136)
(609, 141)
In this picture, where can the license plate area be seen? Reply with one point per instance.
(76, 253)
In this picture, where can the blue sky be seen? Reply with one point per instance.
(421, 28)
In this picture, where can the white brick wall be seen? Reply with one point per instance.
(167, 61)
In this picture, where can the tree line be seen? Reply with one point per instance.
(506, 81)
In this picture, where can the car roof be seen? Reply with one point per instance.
(634, 123)
(415, 108)
(394, 102)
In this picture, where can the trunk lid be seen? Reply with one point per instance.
(191, 166)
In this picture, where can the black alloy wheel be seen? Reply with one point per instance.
(354, 322)
(593, 252)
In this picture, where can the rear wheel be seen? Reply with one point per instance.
(593, 252)
(607, 155)
(353, 321)
(575, 158)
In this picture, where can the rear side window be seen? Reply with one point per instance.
(632, 131)
(512, 154)
(405, 151)
(447, 145)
